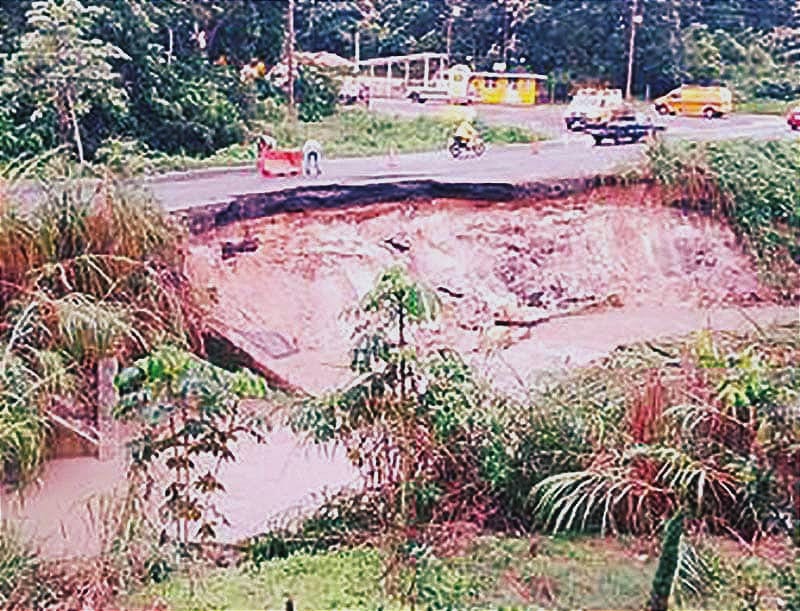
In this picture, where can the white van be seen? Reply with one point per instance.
(589, 105)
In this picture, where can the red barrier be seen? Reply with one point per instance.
(273, 162)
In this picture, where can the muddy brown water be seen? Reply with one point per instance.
(66, 513)
(580, 276)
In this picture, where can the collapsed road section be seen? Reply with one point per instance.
(531, 278)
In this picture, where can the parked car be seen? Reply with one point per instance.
(693, 100)
(630, 128)
(793, 118)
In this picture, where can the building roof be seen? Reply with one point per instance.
(398, 59)
(323, 59)
(515, 75)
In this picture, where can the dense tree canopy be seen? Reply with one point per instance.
(176, 63)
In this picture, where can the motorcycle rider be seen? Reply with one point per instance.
(465, 133)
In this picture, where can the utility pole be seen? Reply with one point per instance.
(635, 20)
(455, 13)
(449, 36)
(290, 57)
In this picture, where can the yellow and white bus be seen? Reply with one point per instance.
(506, 87)
(460, 85)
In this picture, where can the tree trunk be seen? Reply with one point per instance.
(75, 127)
(667, 565)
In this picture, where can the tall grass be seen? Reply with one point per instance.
(18, 567)
(754, 185)
(94, 269)
(721, 447)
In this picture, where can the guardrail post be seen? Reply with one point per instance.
(107, 399)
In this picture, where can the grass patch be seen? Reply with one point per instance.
(348, 133)
(497, 573)
(765, 107)
(754, 185)
(341, 579)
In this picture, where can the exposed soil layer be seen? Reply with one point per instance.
(602, 267)
(302, 198)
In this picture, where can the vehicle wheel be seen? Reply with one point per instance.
(480, 149)
(414, 97)
(662, 110)
(598, 140)
(794, 128)
(709, 113)
(455, 150)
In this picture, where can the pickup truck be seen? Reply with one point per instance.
(631, 129)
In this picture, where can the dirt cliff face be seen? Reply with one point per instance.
(520, 263)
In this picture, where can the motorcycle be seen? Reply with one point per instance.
(459, 148)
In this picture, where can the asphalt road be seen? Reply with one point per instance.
(507, 164)
(565, 155)
(548, 119)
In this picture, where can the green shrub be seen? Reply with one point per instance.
(316, 93)
(18, 566)
(788, 577)
(754, 185)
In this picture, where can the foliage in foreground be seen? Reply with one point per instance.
(753, 185)
(712, 426)
(92, 272)
(709, 424)
(189, 416)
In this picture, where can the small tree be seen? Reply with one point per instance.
(702, 59)
(62, 67)
(405, 421)
(189, 415)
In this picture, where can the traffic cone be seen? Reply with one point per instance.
(391, 161)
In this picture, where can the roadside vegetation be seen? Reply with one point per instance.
(171, 94)
(353, 132)
(595, 462)
(185, 111)
(94, 272)
(751, 185)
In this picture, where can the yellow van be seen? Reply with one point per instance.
(693, 100)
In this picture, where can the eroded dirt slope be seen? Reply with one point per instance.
(599, 269)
